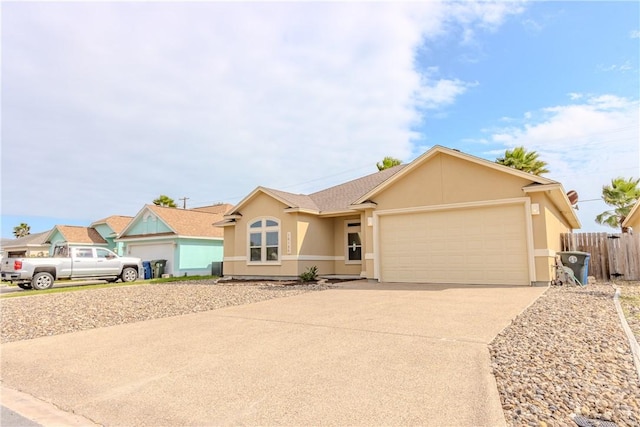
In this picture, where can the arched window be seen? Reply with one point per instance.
(264, 240)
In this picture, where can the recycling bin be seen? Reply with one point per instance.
(578, 262)
(146, 266)
(158, 267)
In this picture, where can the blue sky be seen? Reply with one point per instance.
(107, 105)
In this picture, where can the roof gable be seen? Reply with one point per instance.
(336, 198)
(77, 234)
(179, 222)
(289, 199)
(117, 223)
(437, 149)
(347, 196)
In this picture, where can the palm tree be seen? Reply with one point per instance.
(622, 194)
(165, 201)
(21, 230)
(388, 162)
(523, 160)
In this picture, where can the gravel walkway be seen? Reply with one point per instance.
(567, 354)
(60, 313)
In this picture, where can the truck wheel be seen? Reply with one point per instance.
(25, 286)
(129, 274)
(42, 281)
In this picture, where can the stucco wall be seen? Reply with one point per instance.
(147, 224)
(195, 256)
(445, 180)
(236, 248)
(548, 224)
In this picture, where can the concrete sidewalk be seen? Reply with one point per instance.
(363, 354)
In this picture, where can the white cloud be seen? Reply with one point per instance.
(107, 105)
(634, 34)
(616, 67)
(585, 144)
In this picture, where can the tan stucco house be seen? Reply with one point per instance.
(633, 219)
(446, 217)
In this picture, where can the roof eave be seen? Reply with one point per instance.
(363, 206)
(302, 210)
(341, 212)
(635, 210)
(436, 149)
(558, 197)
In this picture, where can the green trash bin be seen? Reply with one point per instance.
(578, 262)
(158, 267)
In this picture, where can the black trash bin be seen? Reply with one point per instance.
(216, 268)
(578, 262)
(158, 267)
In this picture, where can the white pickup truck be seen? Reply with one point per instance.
(70, 263)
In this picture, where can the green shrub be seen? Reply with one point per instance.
(310, 275)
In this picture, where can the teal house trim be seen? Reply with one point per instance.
(185, 239)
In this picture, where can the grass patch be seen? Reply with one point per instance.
(54, 290)
(181, 279)
(71, 288)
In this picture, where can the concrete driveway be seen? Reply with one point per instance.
(362, 354)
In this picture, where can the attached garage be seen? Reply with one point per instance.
(150, 252)
(487, 244)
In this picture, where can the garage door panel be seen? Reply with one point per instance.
(149, 252)
(484, 245)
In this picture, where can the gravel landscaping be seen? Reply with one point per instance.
(565, 355)
(60, 313)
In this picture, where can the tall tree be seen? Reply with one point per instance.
(523, 160)
(21, 230)
(165, 201)
(388, 162)
(622, 194)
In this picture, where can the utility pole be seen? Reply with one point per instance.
(184, 201)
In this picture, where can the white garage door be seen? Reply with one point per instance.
(485, 245)
(149, 252)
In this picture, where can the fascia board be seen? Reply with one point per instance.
(133, 220)
(436, 149)
(302, 210)
(559, 199)
(632, 213)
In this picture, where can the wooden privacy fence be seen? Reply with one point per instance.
(613, 256)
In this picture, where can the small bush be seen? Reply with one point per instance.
(310, 275)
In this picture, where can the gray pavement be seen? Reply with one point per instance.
(362, 354)
(9, 418)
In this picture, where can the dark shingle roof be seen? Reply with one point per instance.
(342, 196)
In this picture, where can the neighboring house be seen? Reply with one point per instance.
(633, 219)
(185, 238)
(110, 227)
(32, 245)
(446, 217)
(75, 235)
